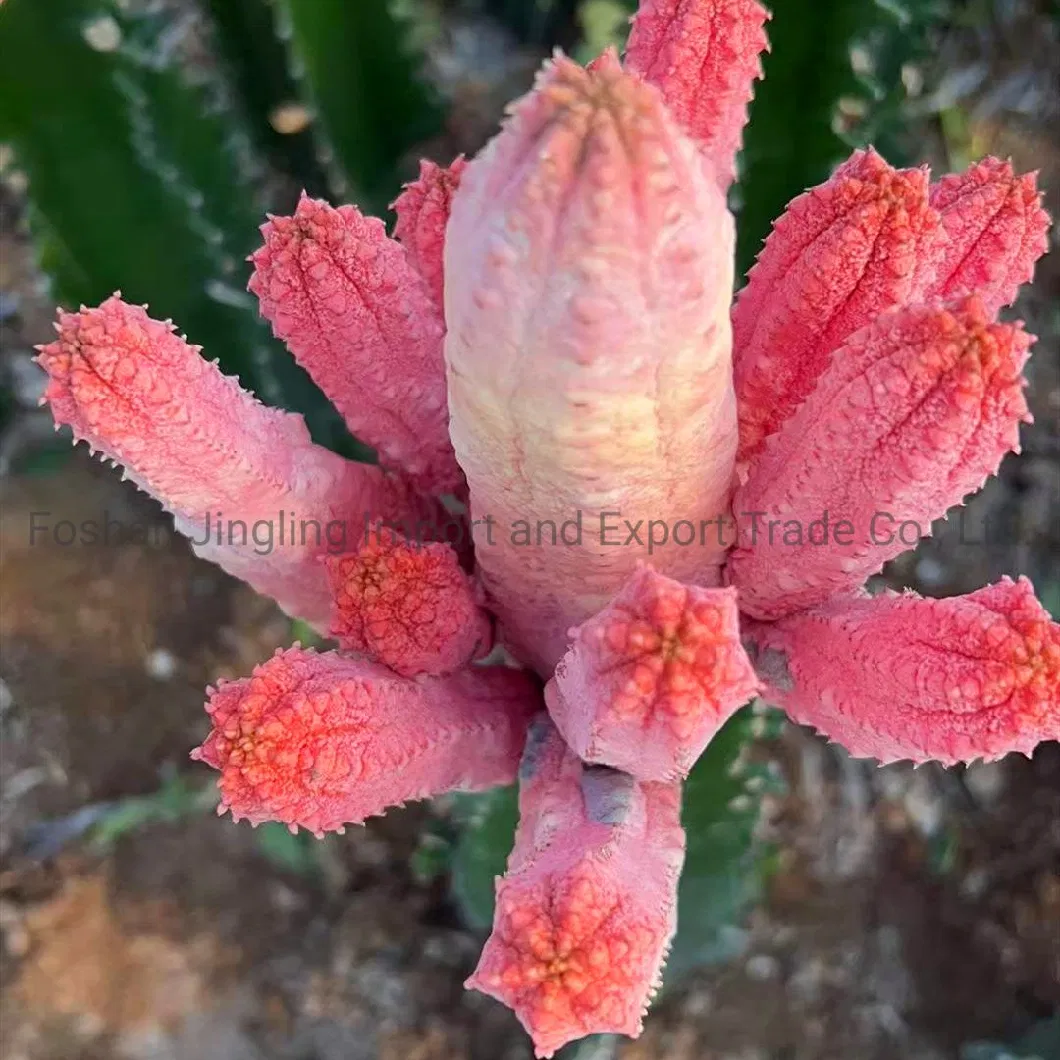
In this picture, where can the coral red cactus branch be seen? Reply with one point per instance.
(863, 242)
(222, 463)
(409, 606)
(612, 415)
(423, 209)
(360, 320)
(321, 741)
(651, 678)
(995, 231)
(900, 676)
(913, 413)
(588, 345)
(704, 56)
(587, 908)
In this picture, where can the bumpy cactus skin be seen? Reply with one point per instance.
(588, 345)
(651, 678)
(545, 348)
(423, 209)
(705, 58)
(217, 458)
(995, 231)
(900, 676)
(360, 320)
(587, 908)
(863, 242)
(321, 741)
(912, 414)
(409, 606)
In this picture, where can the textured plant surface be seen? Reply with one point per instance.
(173, 151)
(658, 504)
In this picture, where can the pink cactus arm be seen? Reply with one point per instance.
(704, 56)
(863, 242)
(408, 606)
(423, 210)
(320, 741)
(243, 481)
(587, 908)
(901, 676)
(995, 230)
(588, 270)
(651, 678)
(914, 413)
(360, 320)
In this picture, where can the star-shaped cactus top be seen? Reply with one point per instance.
(674, 501)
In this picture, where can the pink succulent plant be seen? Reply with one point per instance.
(547, 350)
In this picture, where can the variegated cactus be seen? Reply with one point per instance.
(550, 338)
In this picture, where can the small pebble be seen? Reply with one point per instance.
(161, 664)
(102, 34)
(762, 967)
(929, 571)
(986, 781)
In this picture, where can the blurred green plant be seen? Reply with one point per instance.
(145, 160)
(176, 799)
(254, 58)
(727, 864)
(296, 853)
(1042, 1042)
(358, 71)
(595, 1047)
(303, 633)
(1049, 593)
(486, 836)
(543, 23)
(105, 823)
(134, 180)
(838, 76)
(604, 24)
(140, 179)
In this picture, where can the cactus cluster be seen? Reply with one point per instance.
(549, 340)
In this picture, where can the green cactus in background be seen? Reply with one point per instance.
(254, 59)
(139, 179)
(145, 164)
(833, 81)
(111, 138)
(359, 75)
